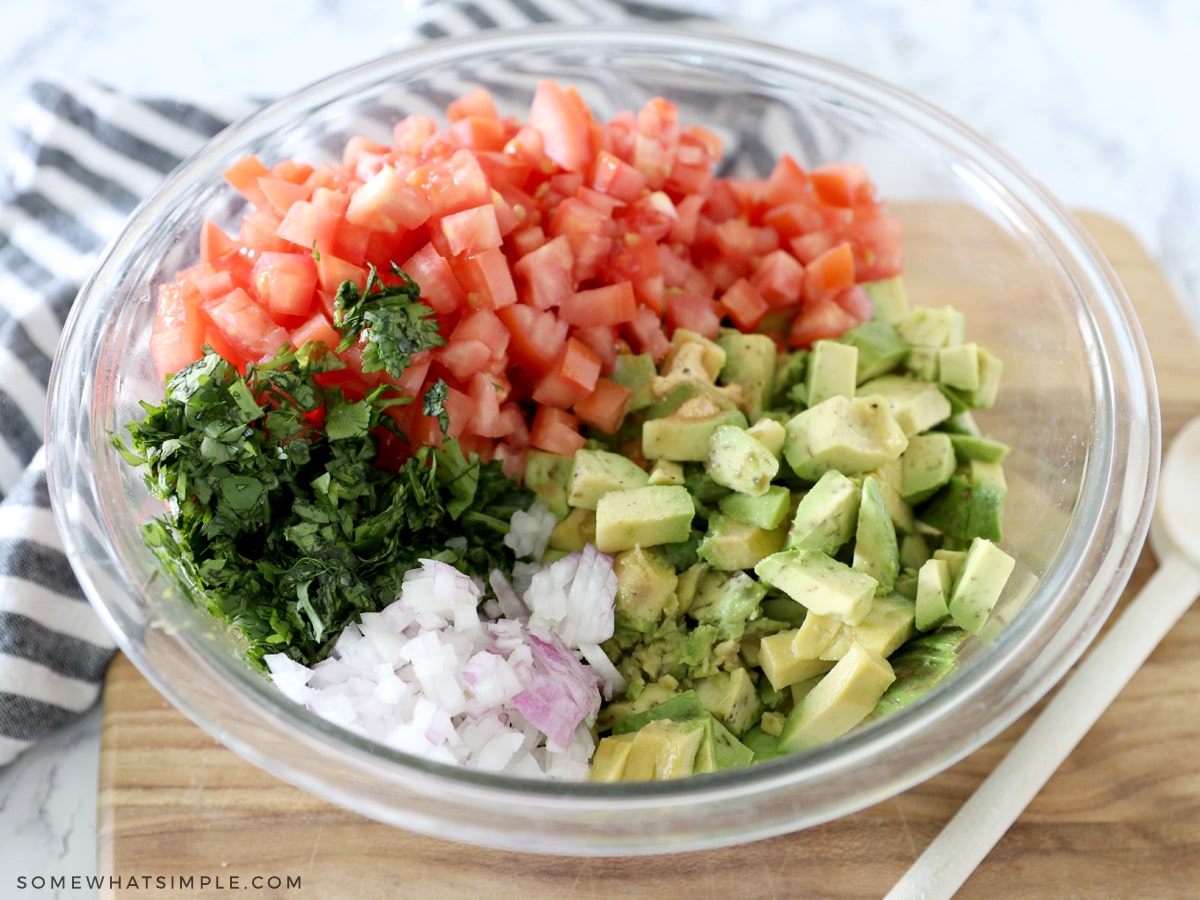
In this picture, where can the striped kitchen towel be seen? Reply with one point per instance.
(85, 156)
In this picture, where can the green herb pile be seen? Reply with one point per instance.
(277, 516)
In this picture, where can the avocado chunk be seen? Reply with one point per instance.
(732, 698)
(646, 516)
(726, 600)
(876, 551)
(574, 532)
(887, 626)
(636, 372)
(927, 464)
(548, 475)
(611, 757)
(920, 665)
(762, 744)
(749, 362)
(731, 545)
(770, 433)
(646, 583)
(984, 573)
(832, 371)
(933, 592)
(827, 514)
(685, 705)
(596, 472)
(880, 348)
(783, 664)
(840, 700)
(916, 404)
(958, 366)
(972, 446)
(890, 298)
(932, 327)
(664, 749)
(820, 583)
(970, 505)
(738, 461)
(650, 696)
(683, 435)
(666, 471)
(853, 436)
(767, 511)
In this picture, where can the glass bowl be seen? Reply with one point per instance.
(1078, 409)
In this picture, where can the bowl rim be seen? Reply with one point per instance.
(858, 748)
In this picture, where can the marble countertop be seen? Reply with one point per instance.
(1095, 100)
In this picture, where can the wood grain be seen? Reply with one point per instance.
(1120, 819)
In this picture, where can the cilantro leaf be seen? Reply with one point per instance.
(390, 320)
(433, 403)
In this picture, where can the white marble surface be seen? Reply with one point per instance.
(1097, 100)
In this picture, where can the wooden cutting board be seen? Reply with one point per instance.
(1120, 819)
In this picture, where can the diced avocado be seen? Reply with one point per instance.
(990, 371)
(664, 749)
(574, 532)
(770, 433)
(920, 665)
(653, 694)
(683, 435)
(611, 757)
(958, 366)
(782, 665)
(953, 558)
(851, 435)
(783, 609)
(914, 550)
(720, 750)
(876, 551)
(694, 356)
(984, 573)
(685, 705)
(730, 544)
(646, 583)
(789, 372)
(916, 404)
(887, 626)
(749, 362)
(739, 461)
(969, 446)
(636, 372)
(597, 472)
(933, 591)
(732, 699)
(665, 471)
(646, 516)
(832, 371)
(819, 583)
(843, 698)
(726, 600)
(891, 480)
(548, 475)
(763, 744)
(971, 504)
(922, 363)
(926, 464)
(906, 584)
(815, 634)
(766, 511)
(880, 348)
(826, 516)
(935, 327)
(890, 299)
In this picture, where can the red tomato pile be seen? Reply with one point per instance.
(545, 249)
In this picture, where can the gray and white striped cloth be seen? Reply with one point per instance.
(85, 156)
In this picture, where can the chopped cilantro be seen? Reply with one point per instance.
(390, 320)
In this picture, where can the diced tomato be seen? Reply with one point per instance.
(571, 377)
(856, 301)
(646, 334)
(214, 242)
(842, 184)
(779, 278)
(316, 328)
(545, 273)
(808, 247)
(486, 277)
(433, 275)
(385, 203)
(878, 244)
(829, 273)
(656, 140)
(471, 230)
(485, 418)
(452, 184)
(565, 124)
(819, 320)
(285, 282)
(310, 226)
(610, 304)
(604, 341)
(258, 231)
(744, 304)
(477, 102)
(604, 407)
(246, 325)
(244, 175)
(537, 336)
(787, 182)
(695, 312)
(556, 431)
(177, 335)
(464, 358)
(281, 194)
(613, 176)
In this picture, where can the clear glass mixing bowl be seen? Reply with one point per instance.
(1078, 408)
